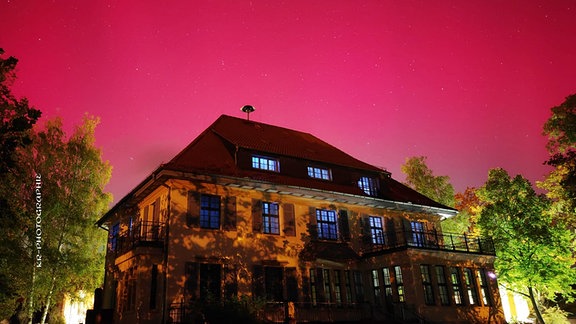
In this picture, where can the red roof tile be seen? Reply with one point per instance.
(282, 141)
(213, 152)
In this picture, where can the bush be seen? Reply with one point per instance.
(555, 315)
(235, 309)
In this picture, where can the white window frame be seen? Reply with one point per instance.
(327, 223)
(270, 218)
(376, 230)
(265, 163)
(319, 173)
(368, 185)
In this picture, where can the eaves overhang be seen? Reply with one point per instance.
(311, 193)
(161, 174)
(148, 184)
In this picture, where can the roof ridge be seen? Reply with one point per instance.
(266, 124)
(364, 165)
(195, 140)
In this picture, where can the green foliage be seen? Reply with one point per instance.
(561, 183)
(561, 126)
(555, 315)
(73, 177)
(467, 205)
(16, 121)
(16, 116)
(420, 178)
(458, 224)
(534, 250)
(560, 186)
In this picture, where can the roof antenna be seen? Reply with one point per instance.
(248, 109)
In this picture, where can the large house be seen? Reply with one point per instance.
(267, 213)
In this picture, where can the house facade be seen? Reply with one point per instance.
(257, 211)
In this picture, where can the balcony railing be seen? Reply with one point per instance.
(432, 240)
(279, 312)
(139, 234)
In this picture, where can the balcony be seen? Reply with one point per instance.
(280, 312)
(149, 234)
(431, 240)
(302, 312)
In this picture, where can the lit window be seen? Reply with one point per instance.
(456, 285)
(270, 218)
(327, 224)
(387, 283)
(210, 211)
(265, 163)
(484, 289)
(399, 283)
(368, 185)
(471, 287)
(319, 173)
(376, 230)
(376, 285)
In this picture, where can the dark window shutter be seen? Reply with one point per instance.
(431, 235)
(366, 233)
(391, 239)
(306, 291)
(191, 284)
(258, 281)
(145, 218)
(144, 223)
(406, 235)
(320, 286)
(193, 212)
(156, 216)
(313, 224)
(229, 222)
(289, 220)
(256, 216)
(344, 225)
(291, 284)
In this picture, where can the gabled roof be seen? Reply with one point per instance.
(262, 137)
(214, 152)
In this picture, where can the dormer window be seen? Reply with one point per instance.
(265, 163)
(368, 185)
(319, 173)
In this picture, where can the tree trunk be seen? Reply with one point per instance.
(535, 305)
(48, 300)
(31, 296)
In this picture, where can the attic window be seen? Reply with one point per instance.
(368, 185)
(265, 163)
(319, 173)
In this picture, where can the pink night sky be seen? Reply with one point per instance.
(469, 84)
